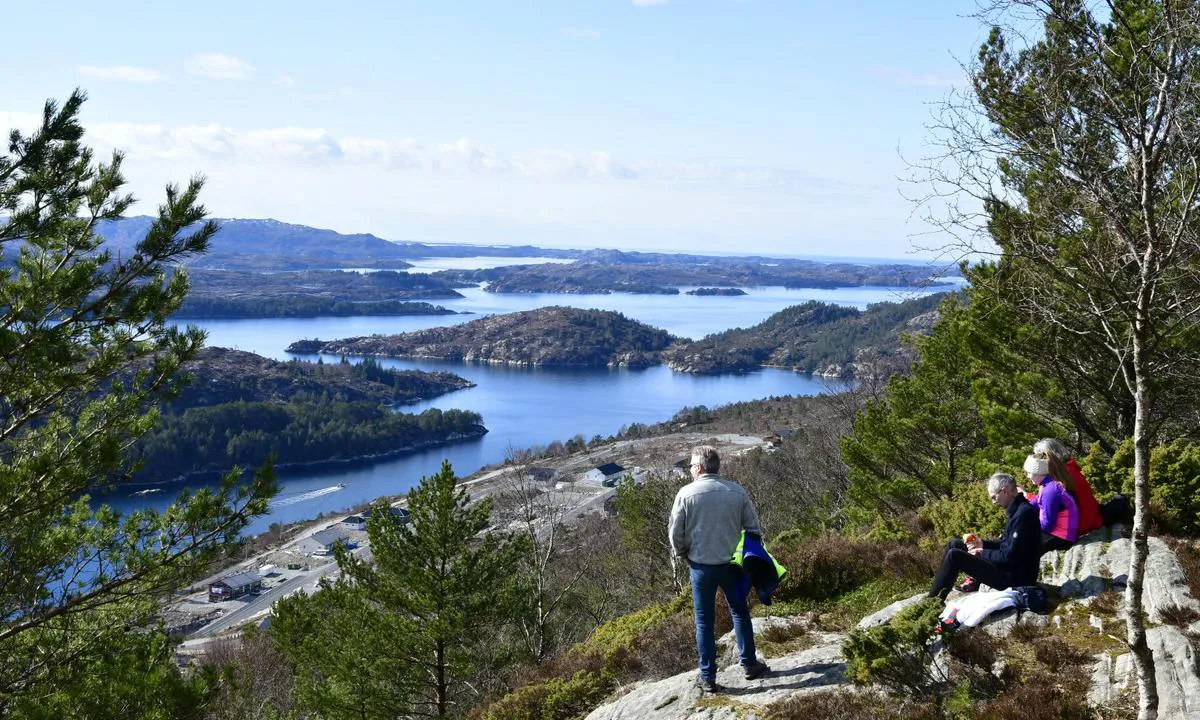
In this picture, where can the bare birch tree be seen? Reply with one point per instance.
(1075, 162)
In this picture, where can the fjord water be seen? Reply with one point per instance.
(521, 407)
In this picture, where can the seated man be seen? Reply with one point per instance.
(1011, 561)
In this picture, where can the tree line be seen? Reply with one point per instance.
(212, 439)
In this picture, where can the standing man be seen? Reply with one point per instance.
(707, 521)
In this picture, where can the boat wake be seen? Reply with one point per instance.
(299, 497)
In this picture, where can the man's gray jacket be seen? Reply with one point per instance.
(708, 518)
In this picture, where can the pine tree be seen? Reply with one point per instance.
(408, 633)
(85, 349)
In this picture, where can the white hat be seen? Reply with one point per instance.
(1035, 465)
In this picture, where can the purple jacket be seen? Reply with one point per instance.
(1057, 511)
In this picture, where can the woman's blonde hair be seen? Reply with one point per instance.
(1058, 470)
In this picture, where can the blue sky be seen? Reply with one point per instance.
(704, 125)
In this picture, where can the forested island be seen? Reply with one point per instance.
(296, 432)
(241, 408)
(220, 375)
(814, 337)
(712, 291)
(552, 336)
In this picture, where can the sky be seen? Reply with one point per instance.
(683, 125)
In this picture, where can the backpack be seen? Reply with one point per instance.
(1031, 598)
(1115, 511)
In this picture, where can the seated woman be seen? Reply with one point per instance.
(1011, 561)
(1064, 469)
(1058, 515)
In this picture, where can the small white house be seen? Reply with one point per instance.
(607, 474)
(355, 522)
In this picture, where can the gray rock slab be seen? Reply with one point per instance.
(885, 615)
(1174, 669)
(817, 669)
(1093, 565)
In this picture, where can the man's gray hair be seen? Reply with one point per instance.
(706, 455)
(1050, 446)
(999, 480)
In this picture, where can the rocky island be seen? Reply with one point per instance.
(552, 336)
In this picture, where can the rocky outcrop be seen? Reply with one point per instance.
(1086, 570)
(1094, 562)
(1095, 565)
(817, 669)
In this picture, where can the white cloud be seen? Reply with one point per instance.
(121, 73)
(211, 146)
(220, 66)
(575, 32)
(286, 80)
(24, 121)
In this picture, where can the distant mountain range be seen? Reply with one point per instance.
(274, 245)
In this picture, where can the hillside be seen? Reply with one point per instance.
(251, 244)
(546, 336)
(220, 375)
(814, 337)
(243, 239)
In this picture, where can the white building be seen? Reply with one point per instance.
(607, 474)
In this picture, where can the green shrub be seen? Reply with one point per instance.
(556, 699)
(1174, 476)
(1175, 470)
(620, 634)
(898, 655)
(968, 509)
(830, 566)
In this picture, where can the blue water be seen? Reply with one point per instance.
(522, 407)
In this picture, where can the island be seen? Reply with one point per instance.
(241, 408)
(550, 336)
(661, 273)
(718, 291)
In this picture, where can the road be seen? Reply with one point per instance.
(306, 581)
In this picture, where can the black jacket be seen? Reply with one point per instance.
(1017, 552)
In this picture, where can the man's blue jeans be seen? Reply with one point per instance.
(705, 581)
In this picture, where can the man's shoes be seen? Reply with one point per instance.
(756, 670)
(969, 585)
(709, 686)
